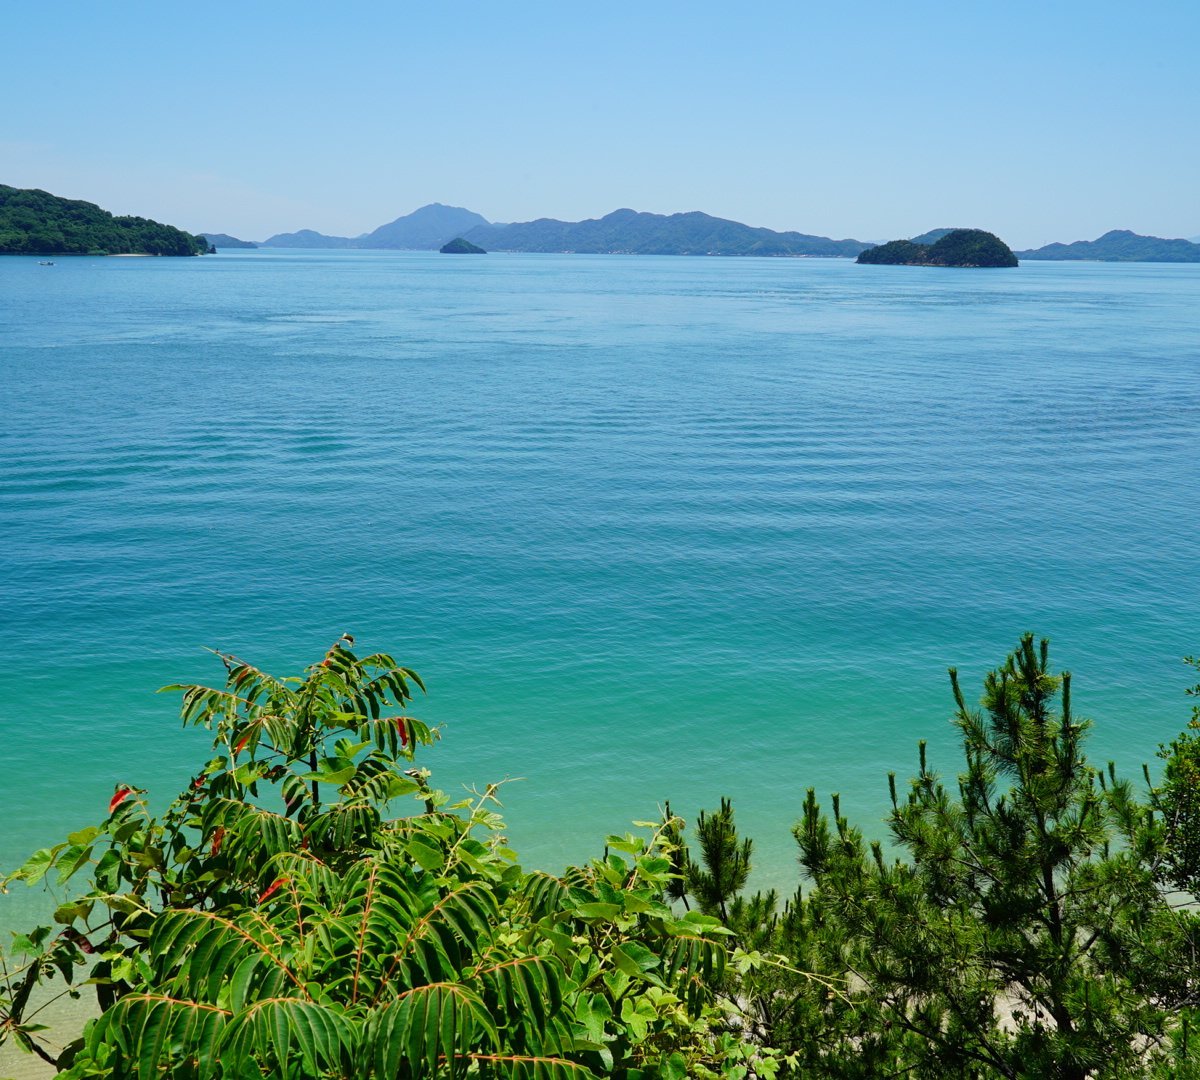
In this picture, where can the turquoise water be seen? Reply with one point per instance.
(650, 527)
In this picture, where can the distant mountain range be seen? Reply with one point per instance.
(630, 232)
(307, 238)
(621, 232)
(224, 240)
(933, 236)
(426, 229)
(627, 232)
(1119, 245)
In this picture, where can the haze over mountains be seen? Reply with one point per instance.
(34, 221)
(1119, 245)
(224, 240)
(426, 229)
(621, 232)
(631, 232)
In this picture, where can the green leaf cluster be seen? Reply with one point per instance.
(282, 920)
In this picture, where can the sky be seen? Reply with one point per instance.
(1041, 121)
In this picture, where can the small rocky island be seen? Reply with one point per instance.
(957, 247)
(459, 246)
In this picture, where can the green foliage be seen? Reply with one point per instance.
(281, 919)
(34, 222)
(955, 247)
(760, 982)
(277, 922)
(1028, 891)
(894, 253)
(724, 864)
(1021, 933)
(1178, 800)
(970, 247)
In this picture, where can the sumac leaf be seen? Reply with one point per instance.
(122, 793)
(272, 889)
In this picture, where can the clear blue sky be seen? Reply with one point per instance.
(1042, 121)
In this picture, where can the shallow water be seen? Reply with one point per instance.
(649, 527)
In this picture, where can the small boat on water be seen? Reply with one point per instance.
(44, 263)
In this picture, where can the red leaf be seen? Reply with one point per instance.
(402, 728)
(218, 836)
(272, 889)
(84, 944)
(122, 794)
(241, 743)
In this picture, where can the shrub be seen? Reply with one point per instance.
(276, 921)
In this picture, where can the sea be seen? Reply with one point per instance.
(649, 528)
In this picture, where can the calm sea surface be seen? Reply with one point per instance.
(650, 527)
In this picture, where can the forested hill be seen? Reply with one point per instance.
(629, 232)
(972, 248)
(1120, 245)
(34, 222)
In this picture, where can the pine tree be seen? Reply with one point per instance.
(1022, 935)
(724, 862)
(1178, 799)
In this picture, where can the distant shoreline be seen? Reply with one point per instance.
(89, 255)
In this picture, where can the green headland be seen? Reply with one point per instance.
(34, 222)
